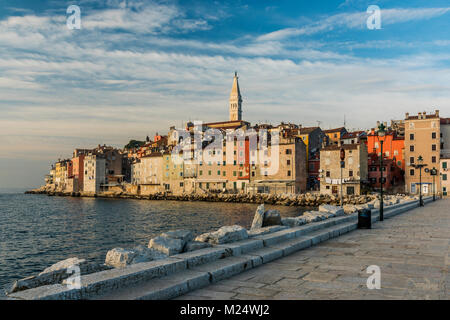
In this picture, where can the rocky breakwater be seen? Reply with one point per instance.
(303, 200)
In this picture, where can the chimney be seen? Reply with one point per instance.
(407, 115)
(437, 113)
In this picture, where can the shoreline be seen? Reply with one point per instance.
(296, 200)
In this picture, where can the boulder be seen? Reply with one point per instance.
(184, 235)
(265, 230)
(168, 246)
(349, 209)
(293, 221)
(271, 218)
(55, 274)
(333, 210)
(258, 218)
(196, 245)
(224, 235)
(119, 257)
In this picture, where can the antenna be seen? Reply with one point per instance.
(318, 122)
(344, 120)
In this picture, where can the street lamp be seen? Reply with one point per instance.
(433, 173)
(420, 165)
(381, 133)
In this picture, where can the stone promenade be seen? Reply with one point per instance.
(411, 249)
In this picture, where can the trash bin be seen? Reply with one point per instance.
(364, 219)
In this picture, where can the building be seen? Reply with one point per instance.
(393, 175)
(235, 101)
(445, 176)
(78, 172)
(314, 138)
(335, 135)
(422, 138)
(393, 146)
(354, 175)
(353, 137)
(285, 173)
(94, 173)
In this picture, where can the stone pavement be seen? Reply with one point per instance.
(411, 249)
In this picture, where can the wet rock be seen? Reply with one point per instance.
(258, 219)
(224, 235)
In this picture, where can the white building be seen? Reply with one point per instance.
(94, 173)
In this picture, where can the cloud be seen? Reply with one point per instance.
(356, 20)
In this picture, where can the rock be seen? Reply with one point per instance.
(64, 264)
(333, 210)
(55, 274)
(184, 235)
(271, 218)
(196, 245)
(168, 246)
(265, 230)
(224, 235)
(258, 218)
(119, 257)
(349, 209)
(293, 221)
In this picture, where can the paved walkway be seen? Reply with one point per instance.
(411, 249)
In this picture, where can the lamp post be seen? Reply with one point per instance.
(420, 165)
(381, 133)
(434, 173)
(342, 156)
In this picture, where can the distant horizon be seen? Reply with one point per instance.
(138, 67)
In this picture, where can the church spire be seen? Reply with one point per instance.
(235, 100)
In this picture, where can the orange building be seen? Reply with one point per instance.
(393, 147)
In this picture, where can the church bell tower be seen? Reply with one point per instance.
(235, 101)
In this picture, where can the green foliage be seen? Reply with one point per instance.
(134, 144)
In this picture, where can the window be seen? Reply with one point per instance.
(328, 174)
(209, 172)
(265, 174)
(240, 173)
(433, 147)
(224, 185)
(444, 177)
(253, 173)
(288, 162)
(411, 160)
(218, 172)
(350, 190)
(201, 172)
(444, 165)
(411, 172)
(433, 159)
(289, 173)
(411, 136)
(181, 184)
(288, 151)
(224, 173)
(433, 135)
(234, 162)
(411, 148)
(350, 174)
(234, 173)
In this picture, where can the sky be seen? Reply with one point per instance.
(135, 68)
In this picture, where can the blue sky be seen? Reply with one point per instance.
(138, 67)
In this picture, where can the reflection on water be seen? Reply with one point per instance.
(37, 231)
